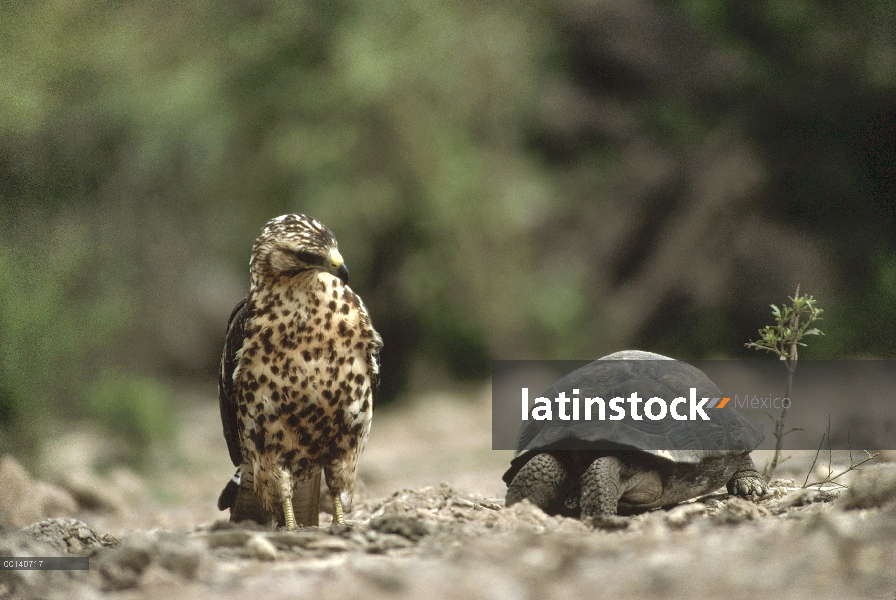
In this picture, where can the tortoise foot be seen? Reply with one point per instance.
(747, 483)
(542, 481)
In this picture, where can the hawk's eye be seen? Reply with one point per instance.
(309, 258)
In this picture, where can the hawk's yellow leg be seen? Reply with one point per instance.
(286, 499)
(337, 510)
(288, 513)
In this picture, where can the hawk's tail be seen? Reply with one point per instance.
(228, 494)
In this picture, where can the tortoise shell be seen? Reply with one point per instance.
(727, 433)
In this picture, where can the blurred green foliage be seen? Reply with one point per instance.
(56, 312)
(547, 179)
(138, 409)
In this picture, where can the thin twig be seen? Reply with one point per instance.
(814, 460)
(830, 477)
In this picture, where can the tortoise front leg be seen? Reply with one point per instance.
(747, 481)
(601, 488)
(543, 481)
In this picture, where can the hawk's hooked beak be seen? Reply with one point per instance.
(337, 265)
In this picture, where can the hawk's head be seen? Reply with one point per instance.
(290, 244)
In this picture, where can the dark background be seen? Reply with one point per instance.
(537, 179)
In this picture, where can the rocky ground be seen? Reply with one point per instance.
(429, 522)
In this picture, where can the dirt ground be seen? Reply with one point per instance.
(429, 521)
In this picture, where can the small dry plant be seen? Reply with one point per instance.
(792, 324)
(831, 477)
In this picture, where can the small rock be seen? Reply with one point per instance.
(261, 548)
(685, 513)
(386, 542)
(526, 513)
(157, 577)
(71, 460)
(829, 494)
(607, 522)
(714, 505)
(409, 527)
(91, 492)
(178, 553)
(24, 500)
(463, 502)
(394, 507)
(778, 492)
(330, 544)
(738, 510)
(226, 525)
(572, 527)
(288, 540)
(339, 530)
(68, 535)
(795, 498)
(122, 569)
(226, 538)
(873, 486)
(491, 504)
(175, 553)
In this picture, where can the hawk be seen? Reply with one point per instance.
(298, 378)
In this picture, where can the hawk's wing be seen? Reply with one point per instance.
(236, 335)
(373, 358)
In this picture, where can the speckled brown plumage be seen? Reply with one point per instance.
(299, 372)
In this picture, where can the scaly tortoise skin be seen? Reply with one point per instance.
(629, 466)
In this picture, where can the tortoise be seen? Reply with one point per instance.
(598, 468)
